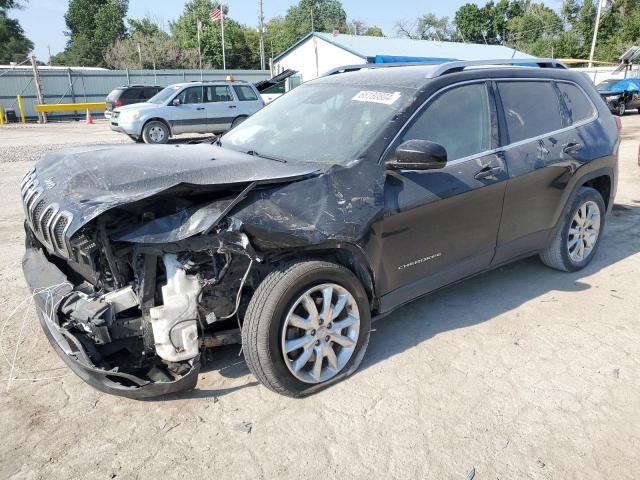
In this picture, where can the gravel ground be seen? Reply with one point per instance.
(522, 372)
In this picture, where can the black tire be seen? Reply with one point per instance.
(150, 135)
(265, 317)
(556, 255)
(621, 109)
(237, 121)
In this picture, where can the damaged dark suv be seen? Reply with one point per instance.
(344, 199)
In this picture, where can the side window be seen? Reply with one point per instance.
(578, 105)
(457, 119)
(245, 93)
(190, 95)
(149, 92)
(531, 109)
(219, 93)
(131, 94)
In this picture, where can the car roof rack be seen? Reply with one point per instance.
(459, 65)
(442, 68)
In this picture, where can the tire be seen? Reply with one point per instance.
(621, 109)
(266, 323)
(155, 132)
(561, 254)
(237, 121)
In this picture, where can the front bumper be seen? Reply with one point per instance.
(129, 127)
(50, 287)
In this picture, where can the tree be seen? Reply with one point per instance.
(374, 32)
(472, 22)
(428, 27)
(156, 49)
(14, 45)
(241, 42)
(94, 25)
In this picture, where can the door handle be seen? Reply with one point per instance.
(200, 108)
(571, 147)
(232, 106)
(487, 172)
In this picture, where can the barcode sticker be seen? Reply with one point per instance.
(387, 98)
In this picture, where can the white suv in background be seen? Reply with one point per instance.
(194, 107)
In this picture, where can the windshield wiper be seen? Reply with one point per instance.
(268, 157)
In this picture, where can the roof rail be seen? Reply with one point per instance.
(443, 68)
(459, 65)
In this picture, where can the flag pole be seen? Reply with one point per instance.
(224, 60)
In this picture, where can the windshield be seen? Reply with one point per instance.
(330, 122)
(163, 95)
(617, 86)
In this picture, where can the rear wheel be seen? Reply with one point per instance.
(307, 326)
(237, 121)
(578, 237)
(155, 132)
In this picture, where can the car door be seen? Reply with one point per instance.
(189, 115)
(541, 151)
(221, 108)
(441, 225)
(249, 101)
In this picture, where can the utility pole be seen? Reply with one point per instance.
(261, 23)
(595, 33)
(140, 55)
(42, 117)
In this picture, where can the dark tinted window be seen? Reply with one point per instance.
(191, 95)
(149, 92)
(578, 105)
(131, 94)
(219, 93)
(245, 93)
(458, 119)
(531, 109)
(114, 95)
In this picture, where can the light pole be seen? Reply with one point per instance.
(261, 22)
(595, 33)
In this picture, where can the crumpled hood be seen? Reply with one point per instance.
(88, 181)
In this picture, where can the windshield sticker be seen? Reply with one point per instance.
(387, 98)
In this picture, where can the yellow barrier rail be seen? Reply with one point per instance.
(70, 107)
(1, 114)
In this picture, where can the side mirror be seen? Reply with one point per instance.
(175, 102)
(419, 155)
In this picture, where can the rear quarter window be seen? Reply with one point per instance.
(531, 109)
(578, 106)
(245, 93)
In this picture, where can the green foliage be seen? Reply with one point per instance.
(14, 45)
(94, 26)
(148, 46)
(241, 42)
(374, 32)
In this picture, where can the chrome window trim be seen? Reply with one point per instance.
(503, 148)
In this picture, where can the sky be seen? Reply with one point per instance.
(43, 20)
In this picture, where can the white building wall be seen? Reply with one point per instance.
(303, 59)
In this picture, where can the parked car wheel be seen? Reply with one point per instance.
(237, 121)
(622, 108)
(576, 241)
(307, 326)
(155, 132)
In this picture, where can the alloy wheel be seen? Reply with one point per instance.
(320, 333)
(584, 231)
(156, 134)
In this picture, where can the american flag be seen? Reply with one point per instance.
(216, 15)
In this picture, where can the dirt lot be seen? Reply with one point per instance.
(523, 372)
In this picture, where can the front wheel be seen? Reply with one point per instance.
(622, 108)
(307, 326)
(155, 132)
(578, 236)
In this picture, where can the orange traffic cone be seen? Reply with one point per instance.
(89, 120)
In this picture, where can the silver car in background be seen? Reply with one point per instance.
(194, 107)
